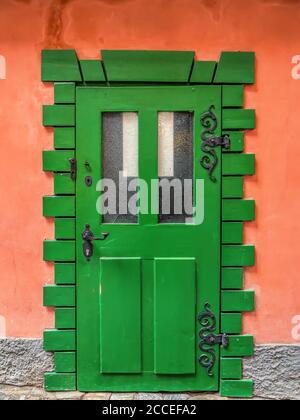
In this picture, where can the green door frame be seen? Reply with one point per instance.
(132, 68)
(200, 256)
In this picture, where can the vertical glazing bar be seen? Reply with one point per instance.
(148, 164)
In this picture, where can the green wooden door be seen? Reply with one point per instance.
(139, 295)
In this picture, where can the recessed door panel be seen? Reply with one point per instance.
(174, 316)
(120, 315)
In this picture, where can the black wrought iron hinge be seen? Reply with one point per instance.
(208, 339)
(210, 141)
(73, 164)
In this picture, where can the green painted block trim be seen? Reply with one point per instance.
(58, 115)
(64, 93)
(231, 368)
(231, 323)
(237, 141)
(233, 96)
(65, 228)
(58, 206)
(59, 295)
(237, 301)
(57, 160)
(203, 71)
(232, 233)
(64, 138)
(232, 278)
(65, 318)
(63, 184)
(59, 340)
(238, 210)
(65, 362)
(64, 251)
(238, 164)
(60, 66)
(92, 71)
(65, 273)
(235, 119)
(239, 346)
(232, 187)
(236, 67)
(148, 66)
(237, 389)
(60, 381)
(238, 255)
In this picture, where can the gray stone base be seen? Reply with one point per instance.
(8, 392)
(23, 362)
(275, 370)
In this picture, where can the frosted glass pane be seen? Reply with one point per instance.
(130, 144)
(120, 161)
(176, 165)
(165, 144)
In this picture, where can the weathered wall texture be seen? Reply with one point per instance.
(268, 27)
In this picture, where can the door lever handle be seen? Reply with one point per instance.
(88, 237)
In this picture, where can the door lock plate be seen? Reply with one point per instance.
(88, 238)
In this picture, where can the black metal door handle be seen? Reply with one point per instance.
(88, 237)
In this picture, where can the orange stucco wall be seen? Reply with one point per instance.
(268, 27)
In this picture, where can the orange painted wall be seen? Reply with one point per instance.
(268, 27)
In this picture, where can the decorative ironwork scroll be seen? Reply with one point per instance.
(210, 141)
(207, 320)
